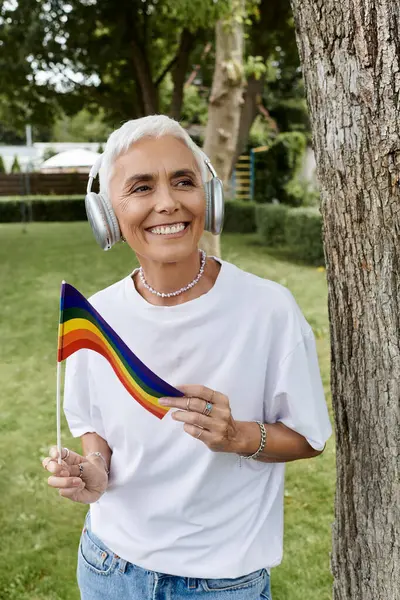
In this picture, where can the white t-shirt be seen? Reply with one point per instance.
(173, 505)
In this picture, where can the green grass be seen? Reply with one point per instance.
(48, 197)
(39, 530)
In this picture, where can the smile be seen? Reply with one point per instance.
(168, 229)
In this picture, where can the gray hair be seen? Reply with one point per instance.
(130, 132)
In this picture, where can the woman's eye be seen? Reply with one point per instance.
(141, 188)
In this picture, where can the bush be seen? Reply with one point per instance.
(240, 217)
(299, 230)
(15, 168)
(277, 167)
(43, 209)
(2, 167)
(48, 153)
(303, 234)
(270, 219)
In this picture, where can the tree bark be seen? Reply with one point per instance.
(225, 105)
(148, 90)
(179, 72)
(350, 51)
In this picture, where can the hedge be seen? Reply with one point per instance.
(298, 229)
(270, 219)
(303, 232)
(50, 208)
(239, 216)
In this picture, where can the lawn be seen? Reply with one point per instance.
(39, 530)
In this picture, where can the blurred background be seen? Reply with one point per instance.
(71, 72)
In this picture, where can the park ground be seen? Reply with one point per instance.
(39, 530)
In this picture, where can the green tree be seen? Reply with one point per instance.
(99, 56)
(81, 127)
(2, 167)
(15, 167)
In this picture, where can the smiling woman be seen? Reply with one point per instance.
(192, 504)
(155, 186)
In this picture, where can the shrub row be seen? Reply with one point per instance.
(239, 216)
(298, 229)
(49, 208)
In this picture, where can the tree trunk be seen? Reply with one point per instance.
(225, 104)
(252, 99)
(147, 88)
(179, 72)
(350, 51)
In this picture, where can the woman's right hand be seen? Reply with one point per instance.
(84, 486)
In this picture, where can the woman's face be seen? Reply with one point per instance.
(158, 198)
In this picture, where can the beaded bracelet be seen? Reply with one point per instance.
(102, 458)
(262, 443)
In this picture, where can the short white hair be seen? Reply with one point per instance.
(130, 132)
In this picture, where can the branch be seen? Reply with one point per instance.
(166, 69)
(196, 69)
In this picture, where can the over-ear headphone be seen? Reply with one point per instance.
(104, 223)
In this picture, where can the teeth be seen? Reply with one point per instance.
(168, 229)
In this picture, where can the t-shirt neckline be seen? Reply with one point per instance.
(203, 300)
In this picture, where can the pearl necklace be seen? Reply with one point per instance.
(178, 292)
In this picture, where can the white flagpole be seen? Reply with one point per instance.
(58, 390)
(58, 402)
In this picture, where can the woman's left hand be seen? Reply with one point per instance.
(206, 415)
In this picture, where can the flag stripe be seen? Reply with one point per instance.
(81, 326)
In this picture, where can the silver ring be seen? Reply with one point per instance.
(67, 455)
(207, 409)
(188, 403)
(80, 470)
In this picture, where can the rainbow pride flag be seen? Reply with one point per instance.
(81, 326)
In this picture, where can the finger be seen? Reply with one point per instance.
(194, 404)
(64, 482)
(201, 391)
(63, 470)
(73, 459)
(205, 436)
(71, 492)
(57, 469)
(193, 418)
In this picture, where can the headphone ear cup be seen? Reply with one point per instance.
(214, 219)
(102, 220)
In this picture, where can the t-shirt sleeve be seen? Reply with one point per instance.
(298, 399)
(82, 417)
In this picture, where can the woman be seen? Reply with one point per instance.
(189, 506)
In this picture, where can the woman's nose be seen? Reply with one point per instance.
(166, 201)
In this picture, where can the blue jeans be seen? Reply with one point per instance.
(102, 575)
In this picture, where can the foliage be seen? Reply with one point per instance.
(48, 153)
(270, 219)
(303, 232)
(41, 530)
(298, 229)
(15, 167)
(84, 126)
(2, 167)
(239, 217)
(261, 134)
(42, 209)
(89, 54)
(277, 167)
